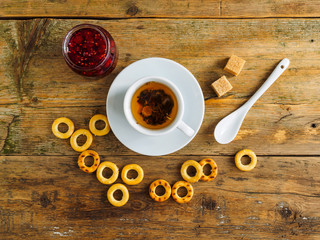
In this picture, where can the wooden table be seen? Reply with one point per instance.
(44, 195)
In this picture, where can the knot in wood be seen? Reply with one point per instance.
(133, 10)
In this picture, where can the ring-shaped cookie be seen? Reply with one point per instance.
(187, 197)
(86, 145)
(133, 181)
(56, 131)
(186, 176)
(249, 166)
(154, 195)
(96, 161)
(214, 169)
(114, 176)
(92, 125)
(125, 195)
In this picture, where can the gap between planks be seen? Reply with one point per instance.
(159, 17)
(170, 155)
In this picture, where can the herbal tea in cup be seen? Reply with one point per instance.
(154, 106)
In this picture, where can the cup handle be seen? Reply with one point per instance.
(186, 129)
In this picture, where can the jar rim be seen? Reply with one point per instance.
(67, 40)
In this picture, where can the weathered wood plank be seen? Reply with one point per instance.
(8, 51)
(269, 129)
(50, 197)
(267, 8)
(284, 121)
(164, 8)
(109, 9)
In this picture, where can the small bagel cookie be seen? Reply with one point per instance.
(96, 161)
(249, 166)
(133, 181)
(86, 145)
(187, 197)
(154, 195)
(186, 176)
(56, 131)
(115, 172)
(125, 195)
(214, 169)
(92, 125)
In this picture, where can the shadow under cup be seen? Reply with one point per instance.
(153, 83)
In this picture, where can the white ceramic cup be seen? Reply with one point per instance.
(177, 122)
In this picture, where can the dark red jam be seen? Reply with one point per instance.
(90, 50)
(87, 48)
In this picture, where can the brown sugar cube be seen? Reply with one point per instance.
(234, 65)
(221, 86)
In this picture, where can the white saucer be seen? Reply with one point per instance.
(191, 93)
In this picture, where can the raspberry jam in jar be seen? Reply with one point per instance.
(90, 50)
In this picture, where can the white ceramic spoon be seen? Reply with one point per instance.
(227, 129)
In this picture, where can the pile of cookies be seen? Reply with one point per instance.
(74, 135)
(199, 175)
(198, 166)
(97, 166)
(118, 186)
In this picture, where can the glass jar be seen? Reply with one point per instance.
(90, 50)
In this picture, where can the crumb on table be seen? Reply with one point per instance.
(234, 65)
(221, 86)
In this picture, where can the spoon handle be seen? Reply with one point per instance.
(280, 68)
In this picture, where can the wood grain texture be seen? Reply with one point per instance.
(50, 197)
(267, 8)
(109, 9)
(43, 193)
(42, 85)
(163, 8)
